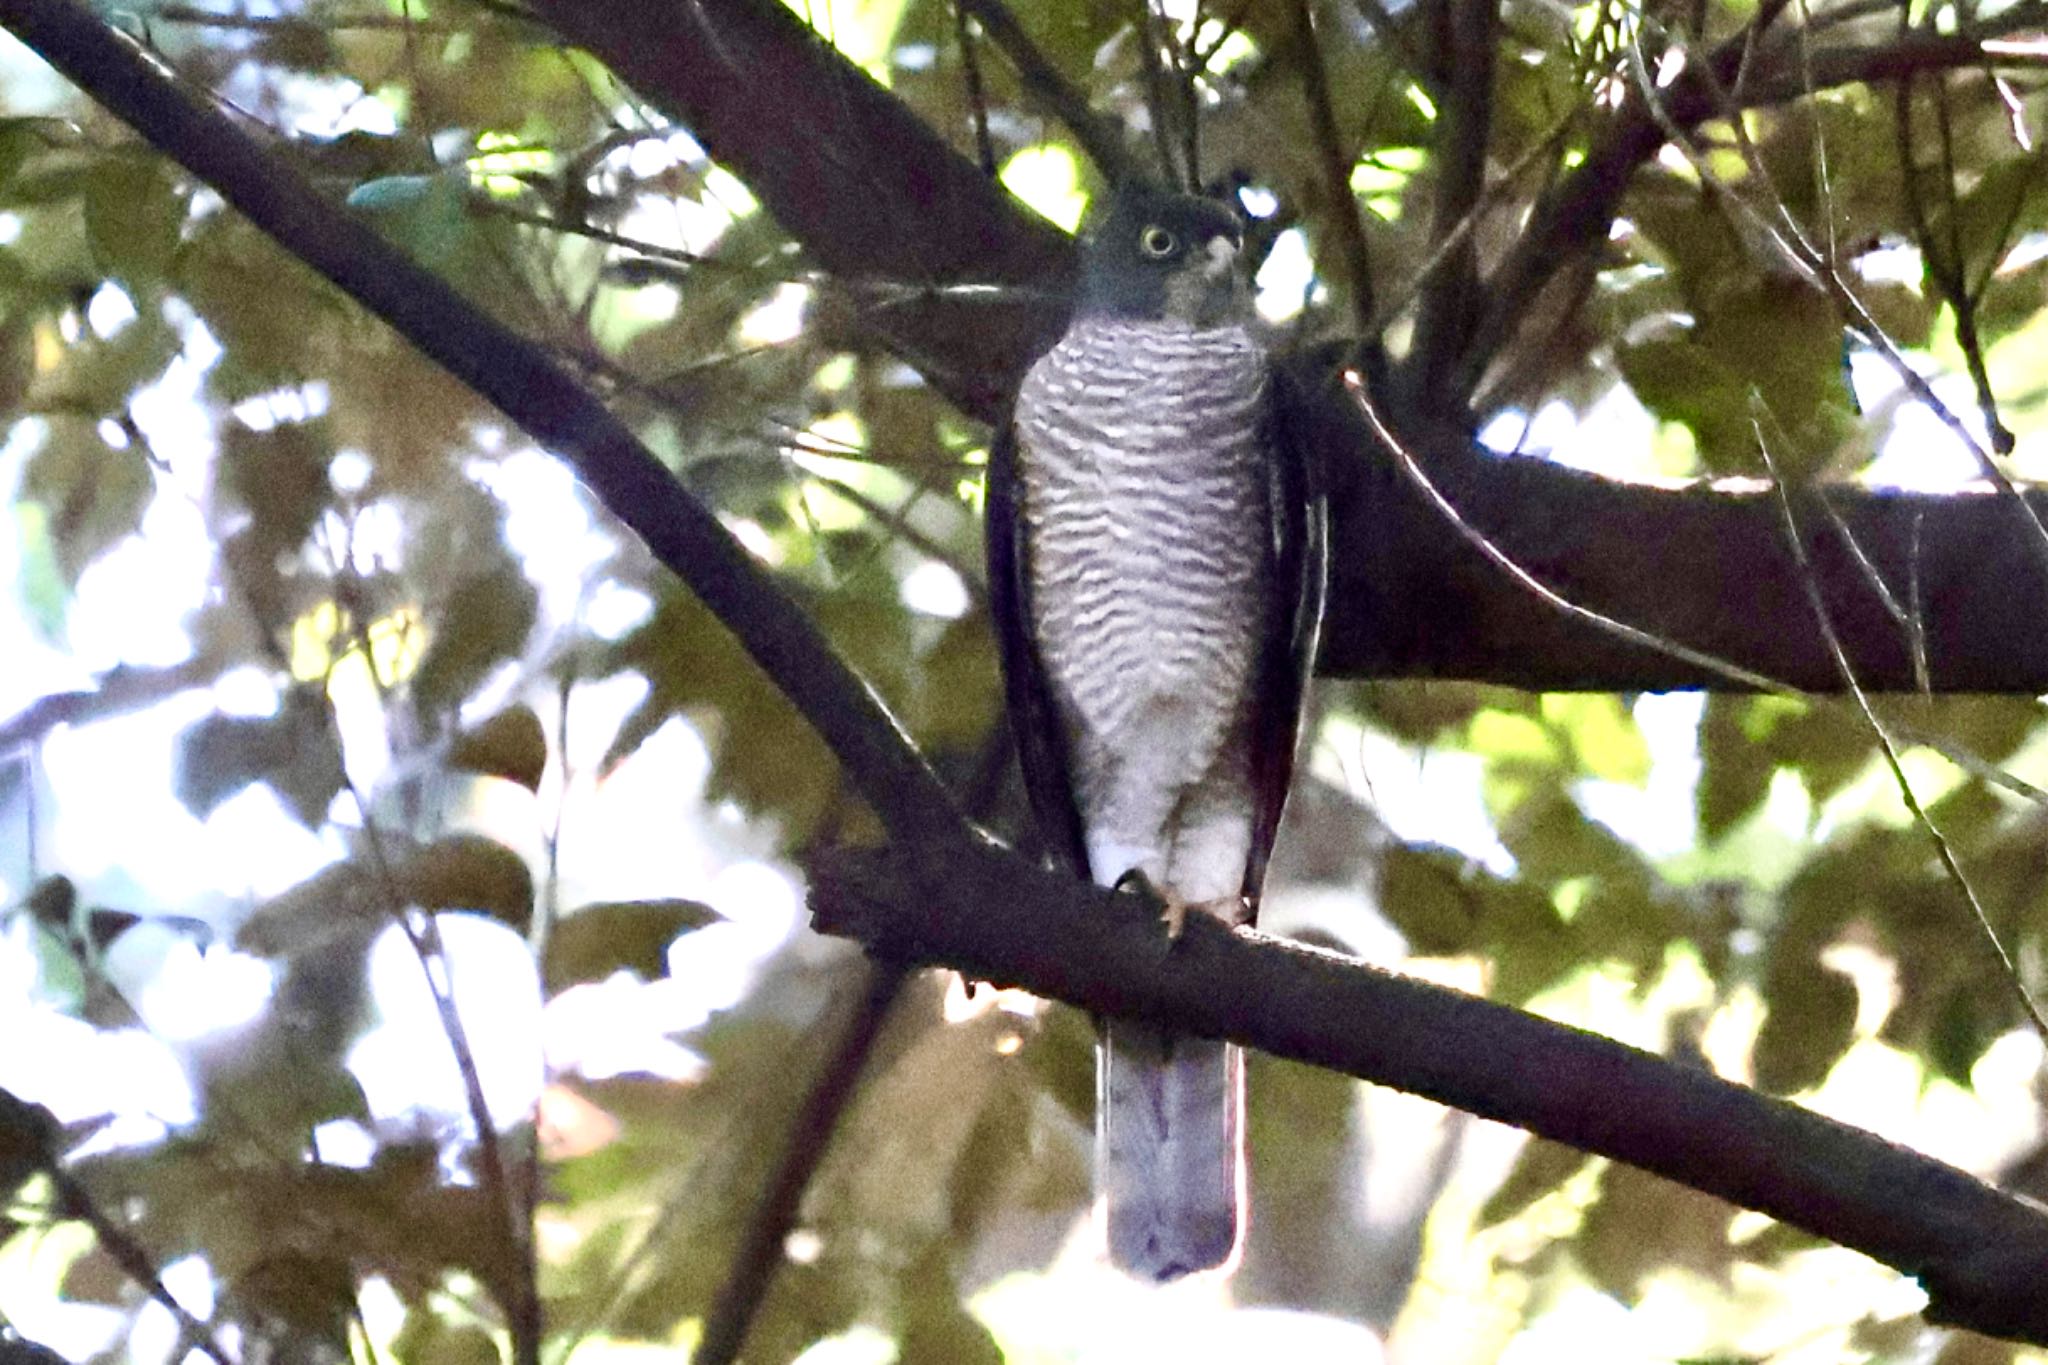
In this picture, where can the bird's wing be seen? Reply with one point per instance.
(1288, 651)
(1035, 721)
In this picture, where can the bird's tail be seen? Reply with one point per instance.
(1169, 1136)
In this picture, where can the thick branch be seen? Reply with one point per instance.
(847, 169)
(521, 380)
(1341, 204)
(1979, 1253)
(1705, 566)
(1410, 599)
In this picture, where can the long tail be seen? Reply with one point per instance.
(1169, 1139)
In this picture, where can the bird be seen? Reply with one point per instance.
(1155, 550)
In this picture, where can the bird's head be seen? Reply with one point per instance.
(1155, 254)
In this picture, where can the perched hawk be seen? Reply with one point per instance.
(1155, 568)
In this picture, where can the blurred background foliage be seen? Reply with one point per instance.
(320, 676)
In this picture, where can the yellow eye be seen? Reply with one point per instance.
(1157, 242)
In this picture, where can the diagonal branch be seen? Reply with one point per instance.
(1335, 167)
(846, 168)
(1575, 214)
(29, 1143)
(1450, 297)
(1979, 1253)
(752, 1271)
(1100, 136)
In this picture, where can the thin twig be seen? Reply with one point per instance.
(197, 17)
(424, 937)
(1909, 622)
(1810, 581)
(1184, 73)
(1044, 85)
(1150, 46)
(1800, 253)
(1200, 58)
(1342, 208)
(75, 1202)
(977, 94)
(1395, 34)
(1580, 207)
(897, 520)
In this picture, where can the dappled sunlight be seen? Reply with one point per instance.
(359, 757)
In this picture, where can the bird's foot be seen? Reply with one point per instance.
(1174, 910)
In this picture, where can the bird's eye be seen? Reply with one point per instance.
(1158, 242)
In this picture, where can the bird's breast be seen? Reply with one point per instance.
(1145, 493)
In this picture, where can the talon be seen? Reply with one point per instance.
(1173, 913)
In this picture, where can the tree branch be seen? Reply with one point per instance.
(752, 1271)
(1575, 215)
(1335, 166)
(1979, 1253)
(1409, 598)
(1704, 565)
(847, 169)
(29, 1137)
(1100, 137)
(1450, 297)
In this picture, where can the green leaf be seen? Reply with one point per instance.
(1970, 1020)
(936, 1327)
(1531, 947)
(1735, 771)
(597, 940)
(510, 745)
(1543, 1166)
(42, 160)
(1646, 1225)
(463, 872)
(1432, 896)
(766, 756)
(484, 623)
(97, 377)
(234, 277)
(93, 495)
(280, 476)
(429, 1339)
(470, 872)
(1810, 1024)
(1603, 735)
(426, 214)
(133, 214)
(292, 752)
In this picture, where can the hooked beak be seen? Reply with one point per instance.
(1218, 258)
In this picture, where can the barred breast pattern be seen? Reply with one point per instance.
(1145, 494)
